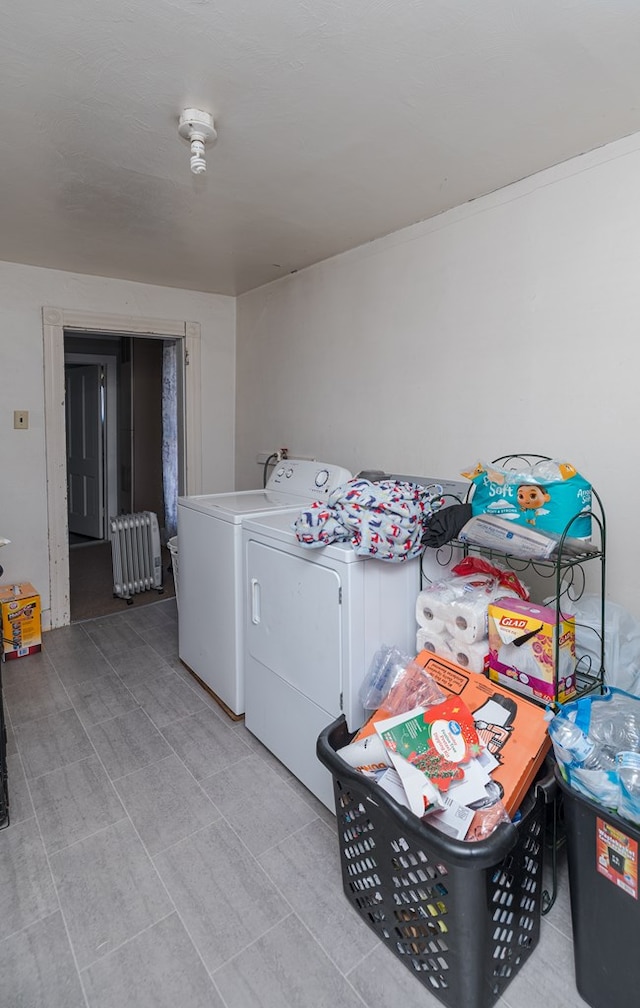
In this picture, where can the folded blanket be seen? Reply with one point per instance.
(386, 520)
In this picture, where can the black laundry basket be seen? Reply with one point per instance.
(602, 856)
(4, 789)
(463, 917)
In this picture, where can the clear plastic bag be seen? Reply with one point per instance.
(397, 683)
(605, 727)
(621, 641)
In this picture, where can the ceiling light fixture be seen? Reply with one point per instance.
(197, 127)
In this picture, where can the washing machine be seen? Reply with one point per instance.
(210, 608)
(314, 618)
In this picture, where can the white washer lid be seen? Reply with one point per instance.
(234, 506)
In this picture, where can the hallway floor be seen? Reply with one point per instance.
(91, 582)
(158, 855)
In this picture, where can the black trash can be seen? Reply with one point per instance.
(463, 917)
(602, 856)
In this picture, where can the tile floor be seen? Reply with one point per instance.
(158, 855)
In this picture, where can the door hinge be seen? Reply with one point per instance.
(342, 701)
(186, 357)
(339, 596)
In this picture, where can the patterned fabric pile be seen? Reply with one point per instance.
(386, 520)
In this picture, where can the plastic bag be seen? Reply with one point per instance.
(489, 813)
(621, 641)
(601, 729)
(397, 683)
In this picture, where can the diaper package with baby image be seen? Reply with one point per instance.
(522, 649)
(549, 496)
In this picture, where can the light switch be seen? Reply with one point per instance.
(21, 419)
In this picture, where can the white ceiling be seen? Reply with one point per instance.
(338, 121)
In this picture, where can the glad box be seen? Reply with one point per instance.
(20, 617)
(522, 649)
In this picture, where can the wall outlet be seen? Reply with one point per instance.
(21, 419)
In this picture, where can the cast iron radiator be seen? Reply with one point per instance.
(135, 551)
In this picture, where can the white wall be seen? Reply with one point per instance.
(508, 324)
(24, 291)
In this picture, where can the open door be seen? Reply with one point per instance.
(85, 449)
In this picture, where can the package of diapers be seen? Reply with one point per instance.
(549, 496)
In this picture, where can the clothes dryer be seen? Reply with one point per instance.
(314, 619)
(210, 611)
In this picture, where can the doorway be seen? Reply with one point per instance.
(122, 456)
(58, 324)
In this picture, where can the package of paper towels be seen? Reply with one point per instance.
(445, 645)
(429, 611)
(470, 656)
(433, 605)
(438, 643)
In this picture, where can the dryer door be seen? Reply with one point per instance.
(294, 622)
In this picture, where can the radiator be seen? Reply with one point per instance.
(135, 550)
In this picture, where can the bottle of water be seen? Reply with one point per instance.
(629, 773)
(571, 745)
(587, 766)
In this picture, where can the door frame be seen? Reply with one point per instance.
(55, 323)
(109, 501)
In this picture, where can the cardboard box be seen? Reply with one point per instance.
(522, 649)
(20, 618)
(512, 728)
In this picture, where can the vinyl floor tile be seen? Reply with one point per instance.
(166, 698)
(113, 635)
(165, 803)
(52, 742)
(159, 968)
(35, 695)
(285, 967)
(86, 665)
(73, 802)
(109, 891)
(224, 897)
(137, 664)
(37, 968)
(101, 698)
(127, 743)
(205, 743)
(306, 869)
(27, 892)
(258, 804)
(20, 804)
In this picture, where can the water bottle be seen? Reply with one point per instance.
(571, 745)
(588, 767)
(629, 773)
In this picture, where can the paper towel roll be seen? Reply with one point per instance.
(427, 608)
(438, 598)
(468, 620)
(470, 656)
(437, 643)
